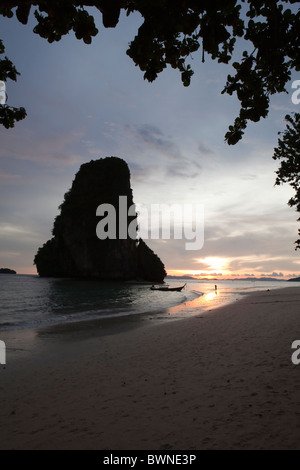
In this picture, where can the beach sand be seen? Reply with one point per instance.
(223, 379)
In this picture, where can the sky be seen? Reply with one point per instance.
(86, 102)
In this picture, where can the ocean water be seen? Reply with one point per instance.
(30, 301)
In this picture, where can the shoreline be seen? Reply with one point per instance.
(184, 308)
(196, 296)
(222, 379)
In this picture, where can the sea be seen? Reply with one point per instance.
(29, 301)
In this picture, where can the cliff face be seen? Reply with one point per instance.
(75, 249)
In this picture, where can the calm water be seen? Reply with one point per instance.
(29, 301)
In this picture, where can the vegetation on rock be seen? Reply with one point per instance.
(75, 249)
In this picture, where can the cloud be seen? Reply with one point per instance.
(209, 274)
(161, 153)
(259, 264)
(204, 150)
(152, 137)
(50, 147)
(180, 170)
(138, 171)
(249, 177)
(274, 274)
(17, 234)
(9, 177)
(174, 147)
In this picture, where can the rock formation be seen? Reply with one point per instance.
(7, 271)
(75, 249)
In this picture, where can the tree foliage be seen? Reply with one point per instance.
(9, 114)
(173, 30)
(288, 151)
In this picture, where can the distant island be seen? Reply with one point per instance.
(257, 279)
(7, 271)
(191, 278)
(75, 249)
(294, 279)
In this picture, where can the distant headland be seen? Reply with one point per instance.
(253, 279)
(7, 271)
(75, 249)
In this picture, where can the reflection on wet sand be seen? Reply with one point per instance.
(211, 296)
(203, 303)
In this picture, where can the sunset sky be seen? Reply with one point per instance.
(89, 101)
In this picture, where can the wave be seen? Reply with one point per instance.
(52, 318)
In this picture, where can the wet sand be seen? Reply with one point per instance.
(222, 379)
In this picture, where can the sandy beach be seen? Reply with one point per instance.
(223, 379)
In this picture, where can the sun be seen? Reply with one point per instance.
(214, 264)
(210, 267)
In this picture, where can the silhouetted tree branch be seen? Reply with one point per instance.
(288, 151)
(9, 114)
(174, 29)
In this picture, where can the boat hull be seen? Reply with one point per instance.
(168, 289)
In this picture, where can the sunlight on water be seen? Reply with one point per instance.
(202, 303)
(30, 301)
(210, 296)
